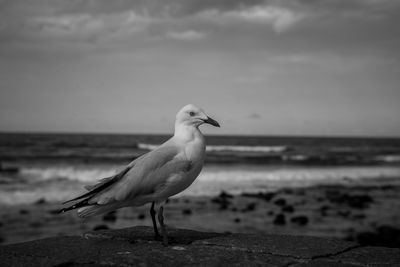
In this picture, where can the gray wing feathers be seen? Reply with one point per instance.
(149, 173)
(98, 184)
(102, 185)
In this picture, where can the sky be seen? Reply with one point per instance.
(300, 67)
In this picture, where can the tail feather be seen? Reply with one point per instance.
(94, 210)
(101, 185)
(75, 206)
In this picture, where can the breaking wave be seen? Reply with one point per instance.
(219, 148)
(56, 184)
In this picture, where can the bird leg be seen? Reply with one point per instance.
(163, 226)
(153, 218)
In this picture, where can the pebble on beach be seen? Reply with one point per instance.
(270, 213)
(100, 227)
(222, 200)
(110, 217)
(300, 220)
(361, 201)
(288, 208)
(141, 216)
(250, 207)
(384, 235)
(280, 202)
(280, 219)
(41, 201)
(186, 211)
(324, 210)
(264, 196)
(23, 211)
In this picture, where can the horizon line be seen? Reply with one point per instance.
(232, 135)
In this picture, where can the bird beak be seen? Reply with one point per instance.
(212, 122)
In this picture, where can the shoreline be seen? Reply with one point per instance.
(325, 211)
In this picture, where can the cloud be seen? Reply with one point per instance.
(86, 27)
(189, 35)
(99, 20)
(294, 58)
(254, 116)
(280, 18)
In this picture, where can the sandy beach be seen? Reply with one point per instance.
(353, 213)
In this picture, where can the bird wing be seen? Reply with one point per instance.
(102, 184)
(147, 175)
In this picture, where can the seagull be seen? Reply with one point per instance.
(153, 177)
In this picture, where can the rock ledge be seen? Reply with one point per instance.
(135, 246)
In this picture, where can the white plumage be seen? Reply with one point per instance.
(156, 175)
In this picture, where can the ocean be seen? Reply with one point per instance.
(55, 167)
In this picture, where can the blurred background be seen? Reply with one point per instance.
(306, 93)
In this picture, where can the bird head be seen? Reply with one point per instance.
(190, 115)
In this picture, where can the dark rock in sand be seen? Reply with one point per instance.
(288, 191)
(1, 224)
(360, 201)
(250, 207)
(353, 201)
(358, 216)
(387, 187)
(141, 216)
(23, 211)
(280, 202)
(234, 209)
(280, 219)
(186, 211)
(201, 202)
(270, 213)
(264, 196)
(100, 227)
(54, 212)
(386, 236)
(224, 194)
(300, 220)
(110, 217)
(324, 210)
(300, 192)
(41, 201)
(36, 224)
(218, 200)
(1, 239)
(344, 213)
(224, 206)
(222, 200)
(8, 169)
(237, 220)
(288, 208)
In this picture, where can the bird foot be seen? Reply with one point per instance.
(165, 241)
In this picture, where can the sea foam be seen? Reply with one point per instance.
(57, 184)
(219, 148)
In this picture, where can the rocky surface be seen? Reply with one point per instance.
(136, 247)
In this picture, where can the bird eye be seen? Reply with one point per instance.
(191, 113)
